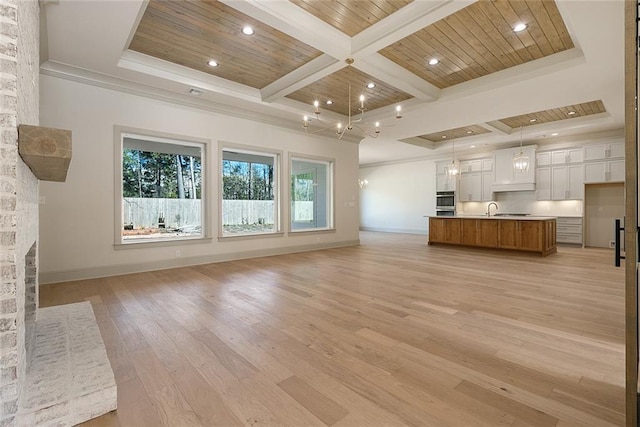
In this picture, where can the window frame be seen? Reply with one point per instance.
(331, 171)
(277, 180)
(122, 132)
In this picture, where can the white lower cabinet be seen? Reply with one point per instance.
(569, 229)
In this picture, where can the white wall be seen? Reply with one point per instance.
(398, 196)
(77, 217)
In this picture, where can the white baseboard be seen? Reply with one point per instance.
(395, 230)
(116, 270)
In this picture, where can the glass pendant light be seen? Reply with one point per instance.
(453, 168)
(521, 161)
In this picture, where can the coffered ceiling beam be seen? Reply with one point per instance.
(146, 64)
(381, 68)
(406, 21)
(310, 72)
(297, 23)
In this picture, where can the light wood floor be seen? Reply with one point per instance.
(389, 333)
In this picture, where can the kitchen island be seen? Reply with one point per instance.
(521, 233)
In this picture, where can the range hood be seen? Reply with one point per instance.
(505, 178)
(502, 188)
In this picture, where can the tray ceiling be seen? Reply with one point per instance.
(555, 114)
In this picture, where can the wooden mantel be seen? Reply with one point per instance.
(46, 151)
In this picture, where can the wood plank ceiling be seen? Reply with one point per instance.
(473, 42)
(457, 133)
(479, 40)
(192, 32)
(555, 114)
(530, 119)
(351, 17)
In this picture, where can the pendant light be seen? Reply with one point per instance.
(520, 161)
(453, 168)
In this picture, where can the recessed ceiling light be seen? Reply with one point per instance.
(329, 102)
(213, 63)
(521, 26)
(247, 30)
(555, 134)
(371, 85)
(473, 146)
(571, 113)
(444, 136)
(469, 132)
(533, 120)
(433, 61)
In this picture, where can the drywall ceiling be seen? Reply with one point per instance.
(488, 79)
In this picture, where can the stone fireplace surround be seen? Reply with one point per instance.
(53, 365)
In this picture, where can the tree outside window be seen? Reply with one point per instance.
(161, 189)
(248, 192)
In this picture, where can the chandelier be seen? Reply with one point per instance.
(521, 161)
(453, 168)
(353, 121)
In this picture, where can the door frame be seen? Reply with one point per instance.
(631, 212)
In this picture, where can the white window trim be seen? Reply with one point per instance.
(332, 184)
(119, 133)
(278, 179)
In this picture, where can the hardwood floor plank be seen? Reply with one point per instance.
(389, 333)
(325, 409)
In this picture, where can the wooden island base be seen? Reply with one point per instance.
(522, 234)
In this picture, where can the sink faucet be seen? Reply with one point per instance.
(489, 208)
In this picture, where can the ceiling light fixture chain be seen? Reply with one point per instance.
(453, 168)
(521, 161)
(372, 130)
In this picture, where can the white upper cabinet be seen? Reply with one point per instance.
(445, 182)
(604, 171)
(604, 151)
(470, 189)
(564, 157)
(441, 166)
(470, 166)
(567, 182)
(543, 183)
(543, 159)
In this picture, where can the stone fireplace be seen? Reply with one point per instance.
(53, 365)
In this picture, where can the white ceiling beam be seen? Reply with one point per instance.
(498, 127)
(302, 76)
(297, 23)
(152, 66)
(389, 72)
(406, 21)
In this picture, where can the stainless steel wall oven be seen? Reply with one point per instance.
(445, 203)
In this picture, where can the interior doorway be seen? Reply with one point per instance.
(604, 203)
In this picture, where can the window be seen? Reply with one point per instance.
(161, 189)
(249, 192)
(311, 194)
